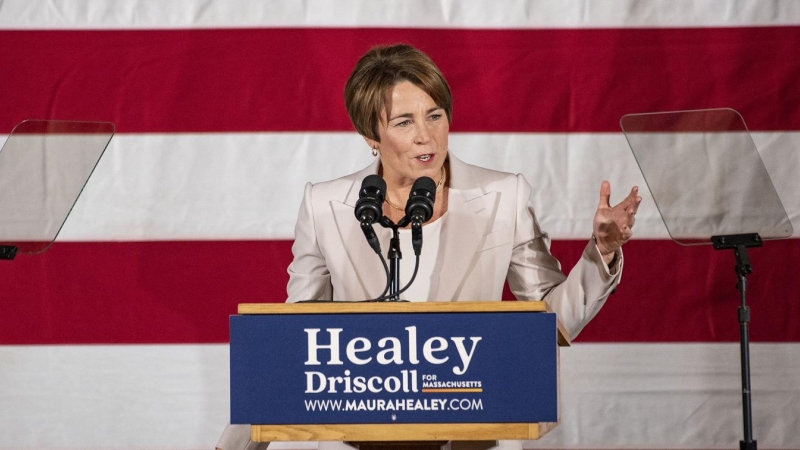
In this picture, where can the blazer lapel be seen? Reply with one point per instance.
(470, 214)
(369, 273)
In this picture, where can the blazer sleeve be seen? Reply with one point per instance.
(535, 274)
(309, 278)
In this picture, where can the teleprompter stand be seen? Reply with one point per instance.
(711, 186)
(739, 244)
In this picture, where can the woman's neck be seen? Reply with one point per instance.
(398, 191)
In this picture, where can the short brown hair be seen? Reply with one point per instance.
(366, 93)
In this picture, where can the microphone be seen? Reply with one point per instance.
(369, 208)
(420, 202)
(420, 209)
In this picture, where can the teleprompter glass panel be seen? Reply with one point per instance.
(705, 174)
(44, 166)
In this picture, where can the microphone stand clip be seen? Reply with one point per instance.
(395, 255)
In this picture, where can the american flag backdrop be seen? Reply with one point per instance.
(116, 337)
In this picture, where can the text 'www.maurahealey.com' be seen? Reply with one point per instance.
(430, 404)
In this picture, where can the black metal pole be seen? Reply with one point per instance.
(739, 243)
(744, 345)
(394, 265)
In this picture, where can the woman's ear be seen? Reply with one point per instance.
(372, 144)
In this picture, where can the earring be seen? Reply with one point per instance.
(375, 151)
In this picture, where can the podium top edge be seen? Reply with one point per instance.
(391, 307)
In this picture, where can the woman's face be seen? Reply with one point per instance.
(413, 138)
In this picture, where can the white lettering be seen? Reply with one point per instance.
(394, 350)
(391, 384)
(428, 350)
(359, 351)
(353, 349)
(359, 385)
(412, 345)
(466, 357)
(313, 347)
(310, 382)
(371, 386)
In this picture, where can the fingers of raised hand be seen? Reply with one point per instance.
(605, 195)
(636, 199)
(613, 226)
(631, 217)
(630, 206)
(631, 201)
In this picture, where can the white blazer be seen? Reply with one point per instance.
(489, 235)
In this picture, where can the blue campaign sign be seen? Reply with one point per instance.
(383, 368)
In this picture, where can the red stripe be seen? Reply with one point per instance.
(183, 292)
(292, 79)
(64, 127)
(694, 121)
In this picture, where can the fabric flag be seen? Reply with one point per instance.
(116, 337)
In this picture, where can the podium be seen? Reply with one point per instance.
(396, 373)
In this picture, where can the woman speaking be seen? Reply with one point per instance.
(482, 231)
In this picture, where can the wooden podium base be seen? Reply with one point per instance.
(424, 445)
(401, 445)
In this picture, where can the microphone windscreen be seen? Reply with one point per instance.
(369, 206)
(420, 202)
(424, 186)
(373, 181)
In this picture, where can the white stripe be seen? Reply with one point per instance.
(613, 396)
(137, 14)
(167, 396)
(249, 185)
